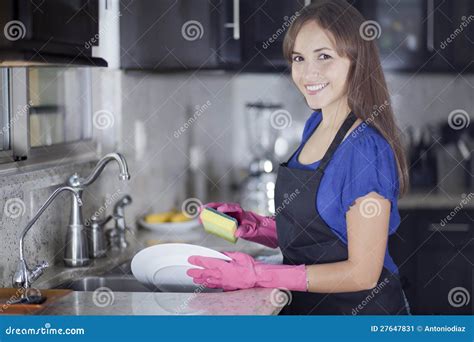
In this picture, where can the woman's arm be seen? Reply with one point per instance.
(367, 235)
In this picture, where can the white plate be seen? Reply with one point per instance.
(165, 266)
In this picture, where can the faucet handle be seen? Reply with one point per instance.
(121, 203)
(116, 236)
(38, 270)
(96, 222)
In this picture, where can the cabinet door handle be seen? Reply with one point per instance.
(450, 227)
(236, 20)
(430, 25)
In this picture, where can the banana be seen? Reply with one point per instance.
(180, 217)
(159, 217)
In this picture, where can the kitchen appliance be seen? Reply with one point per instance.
(454, 159)
(263, 128)
(422, 158)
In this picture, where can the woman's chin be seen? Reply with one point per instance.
(315, 104)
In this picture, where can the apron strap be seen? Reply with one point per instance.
(341, 133)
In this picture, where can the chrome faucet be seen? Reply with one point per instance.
(76, 252)
(23, 276)
(116, 236)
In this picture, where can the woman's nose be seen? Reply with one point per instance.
(312, 71)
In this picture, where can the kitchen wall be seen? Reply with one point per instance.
(153, 107)
(429, 98)
(148, 121)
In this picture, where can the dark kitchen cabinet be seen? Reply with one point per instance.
(172, 34)
(241, 35)
(453, 35)
(264, 24)
(422, 35)
(435, 260)
(52, 31)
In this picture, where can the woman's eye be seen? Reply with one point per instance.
(323, 56)
(297, 58)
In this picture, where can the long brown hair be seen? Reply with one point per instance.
(367, 91)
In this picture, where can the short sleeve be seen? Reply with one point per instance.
(371, 166)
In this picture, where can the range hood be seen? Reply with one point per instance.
(49, 33)
(25, 58)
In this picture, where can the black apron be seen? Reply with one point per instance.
(304, 238)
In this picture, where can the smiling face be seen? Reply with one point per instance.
(317, 70)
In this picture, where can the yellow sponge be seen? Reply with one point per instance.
(219, 224)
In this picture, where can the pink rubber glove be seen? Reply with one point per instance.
(243, 272)
(252, 227)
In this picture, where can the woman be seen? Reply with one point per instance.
(336, 197)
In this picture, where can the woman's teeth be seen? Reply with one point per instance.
(316, 87)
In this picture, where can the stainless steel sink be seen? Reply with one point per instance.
(121, 279)
(118, 279)
(123, 283)
(122, 269)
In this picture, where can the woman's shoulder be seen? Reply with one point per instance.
(366, 154)
(367, 140)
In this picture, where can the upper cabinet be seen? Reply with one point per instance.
(170, 34)
(49, 32)
(247, 35)
(421, 35)
(264, 25)
(205, 34)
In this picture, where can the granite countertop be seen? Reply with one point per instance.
(257, 301)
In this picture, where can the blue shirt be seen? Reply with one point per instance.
(362, 163)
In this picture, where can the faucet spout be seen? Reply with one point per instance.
(76, 253)
(122, 163)
(24, 276)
